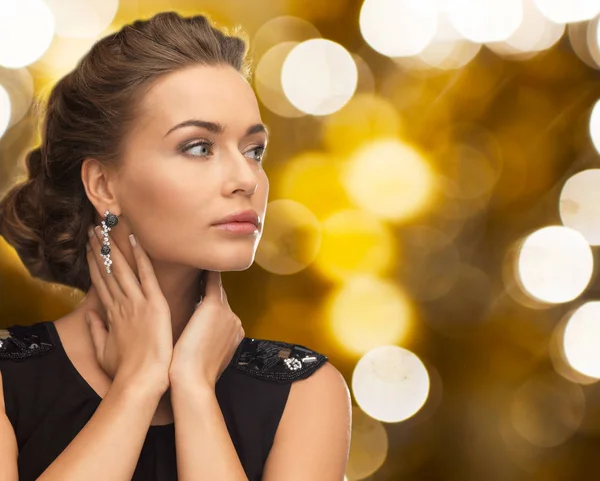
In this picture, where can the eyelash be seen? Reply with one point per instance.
(209, 144)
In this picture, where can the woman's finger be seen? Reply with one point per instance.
(96, 277)
(123, 272)
(145, 269)
(109, 279)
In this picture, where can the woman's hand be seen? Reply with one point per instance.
(209, 339)
(136, 341)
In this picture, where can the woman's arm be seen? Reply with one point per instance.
(205, 451)
(312, 440)
(109, 445)
(313, 437)
(9, 450)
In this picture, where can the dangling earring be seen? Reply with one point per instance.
(110, 220)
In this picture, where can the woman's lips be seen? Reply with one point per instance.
(238, 227)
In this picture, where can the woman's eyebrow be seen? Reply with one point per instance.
(257, 128)
(217, 128)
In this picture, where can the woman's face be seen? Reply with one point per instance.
(192, 158)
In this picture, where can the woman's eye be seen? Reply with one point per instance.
(198, 149)
(205, 148)
(259, 153)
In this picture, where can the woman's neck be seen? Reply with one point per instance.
(181, 287)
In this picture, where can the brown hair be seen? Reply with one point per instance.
(88, 114)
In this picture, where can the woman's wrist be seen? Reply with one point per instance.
(186, 385)
(140, 386)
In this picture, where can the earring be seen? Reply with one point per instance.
(110, 220)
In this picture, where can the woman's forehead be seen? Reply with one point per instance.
(197, 85)
(219, 94)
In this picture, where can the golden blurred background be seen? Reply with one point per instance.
(433, 219)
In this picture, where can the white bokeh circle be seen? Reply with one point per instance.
(390, 383)
(319, 76)
(26, 31)
(555, 264)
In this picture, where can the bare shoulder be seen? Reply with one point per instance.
(326, 389)
(326, 378)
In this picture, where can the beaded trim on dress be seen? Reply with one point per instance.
(276, 360)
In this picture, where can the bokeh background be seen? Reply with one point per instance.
(433, 221)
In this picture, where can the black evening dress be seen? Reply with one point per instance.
(48, 402)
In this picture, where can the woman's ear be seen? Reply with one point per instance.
(98, 183)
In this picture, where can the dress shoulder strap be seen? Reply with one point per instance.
(276, 360)
(19, 343)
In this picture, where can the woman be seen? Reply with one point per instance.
(156, 139)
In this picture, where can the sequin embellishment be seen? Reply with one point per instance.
(22, 342)
(276, 360)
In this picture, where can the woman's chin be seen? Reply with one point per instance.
(237, 263)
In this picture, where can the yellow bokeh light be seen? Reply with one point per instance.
(366, 312)
(555, 264)
(26, 30)
(291, 238)
(390, 179)
(398, 28)
(267, 81)
(390, 383)
(282, 29)
(319, 76)
(364, 118)
(313, 179)
(354, 242)
(60, 58)
(582, 338)
(368, 445)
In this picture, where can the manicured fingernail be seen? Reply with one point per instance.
(132, 240)
(97, 229)
(90, 232)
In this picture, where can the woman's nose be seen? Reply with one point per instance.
(242, 175)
